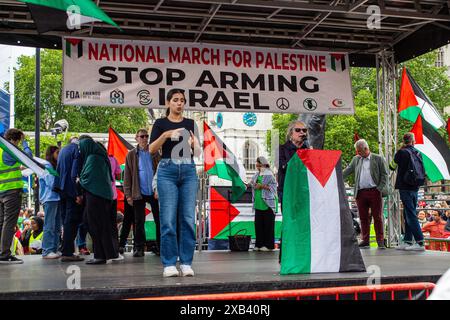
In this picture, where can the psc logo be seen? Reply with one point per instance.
(144, 97)
(338, 103)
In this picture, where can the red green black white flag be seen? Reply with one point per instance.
(318, 234)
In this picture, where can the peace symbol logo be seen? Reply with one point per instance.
(283, 103)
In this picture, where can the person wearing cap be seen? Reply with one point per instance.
(265, 204)
(370, 186)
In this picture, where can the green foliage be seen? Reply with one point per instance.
(81, 119)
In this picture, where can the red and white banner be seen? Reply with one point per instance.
(128, 73)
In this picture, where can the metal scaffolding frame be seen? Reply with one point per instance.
(387, 75)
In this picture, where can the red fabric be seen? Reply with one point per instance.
(370, 199)
(222, 212)
(213, 148)
(417, 129)
(116, 146)
(437, 230)
(407, 96)
(321, 163)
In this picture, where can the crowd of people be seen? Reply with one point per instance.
(82, 197)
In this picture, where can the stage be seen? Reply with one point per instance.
(216, 272)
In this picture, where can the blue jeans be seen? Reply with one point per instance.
(177, 190)
(81, 235)
(52, 227)
(412, 226)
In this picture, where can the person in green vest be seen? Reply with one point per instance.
(11, 186)
(265, 203)
(35, 235)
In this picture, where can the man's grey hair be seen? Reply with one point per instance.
(291, 126)
(361, 144)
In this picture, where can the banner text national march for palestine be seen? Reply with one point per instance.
(124, 73)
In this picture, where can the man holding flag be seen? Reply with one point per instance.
(10, 195)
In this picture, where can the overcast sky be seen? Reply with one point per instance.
(6, 54)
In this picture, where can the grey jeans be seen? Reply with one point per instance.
(10, 202)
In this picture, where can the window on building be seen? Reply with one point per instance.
(440, 58)
(250, 155)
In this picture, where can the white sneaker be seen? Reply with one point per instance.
(51, 255)
(265, 249)
(119, 258)
(186, 270)
(171, 271)
(256, 249)
(402, 246)
(415, 247)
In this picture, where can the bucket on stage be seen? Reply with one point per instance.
(239, 242)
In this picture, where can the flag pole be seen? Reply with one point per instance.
(37, 131)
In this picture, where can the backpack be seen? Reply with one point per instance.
(415, 174)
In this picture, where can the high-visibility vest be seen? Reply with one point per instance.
(33, 239)
(10, 176)
(13, 248)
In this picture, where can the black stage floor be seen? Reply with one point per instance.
(216, 272)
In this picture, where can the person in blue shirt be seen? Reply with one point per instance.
(52, 207)
(140, 167)
(69, 168)
(11, 186)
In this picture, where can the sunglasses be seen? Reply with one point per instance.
(143, 136)
(301, 129)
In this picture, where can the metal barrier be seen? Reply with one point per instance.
(316, 293)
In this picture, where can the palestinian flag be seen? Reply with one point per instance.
(318, 233)
(34, 164)
(118, 146)
(65, 15)
(434, 150)
(227, 219)
(413, 101)
(219, 161)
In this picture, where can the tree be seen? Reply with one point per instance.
(81, 119)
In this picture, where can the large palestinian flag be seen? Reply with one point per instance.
(227, 219)
(434, 150)
(118, 146)
(65, 15)
(318, 233)
(219, 161)
(413, 101)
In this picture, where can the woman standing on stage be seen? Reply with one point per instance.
(265, 203)
(177, 184)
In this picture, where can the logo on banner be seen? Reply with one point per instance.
(144, 97)
(338, 62)
(310, 104)
(74, 48)
(117, 97)
(338, 103)
(283, 103)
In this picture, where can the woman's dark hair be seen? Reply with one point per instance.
(170, 95)
(49, 155)
(14, 134)
(40, 222)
